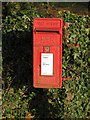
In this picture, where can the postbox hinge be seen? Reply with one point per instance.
(67, 79)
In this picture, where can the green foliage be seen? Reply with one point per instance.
(19, 96)
(16, 103)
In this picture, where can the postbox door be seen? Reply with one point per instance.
(47, 81)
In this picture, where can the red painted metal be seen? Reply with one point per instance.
(47, 38)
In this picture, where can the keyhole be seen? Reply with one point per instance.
(47, 49)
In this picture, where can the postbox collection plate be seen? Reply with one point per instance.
(47, 52)
(46, 64)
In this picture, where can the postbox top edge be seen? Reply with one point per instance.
(48, 22)
(48, 18)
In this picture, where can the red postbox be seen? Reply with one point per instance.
(47, 52)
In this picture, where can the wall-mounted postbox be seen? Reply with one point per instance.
(47, 52)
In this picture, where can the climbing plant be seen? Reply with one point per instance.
(20, 98)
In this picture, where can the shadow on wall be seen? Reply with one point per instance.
(17, 59)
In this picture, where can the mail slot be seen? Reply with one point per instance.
(47, 30)
(47, 52)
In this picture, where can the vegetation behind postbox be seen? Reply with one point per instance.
(20, 99)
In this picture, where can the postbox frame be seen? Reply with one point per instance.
(35, 29)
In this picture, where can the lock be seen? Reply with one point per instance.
(46, 49)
